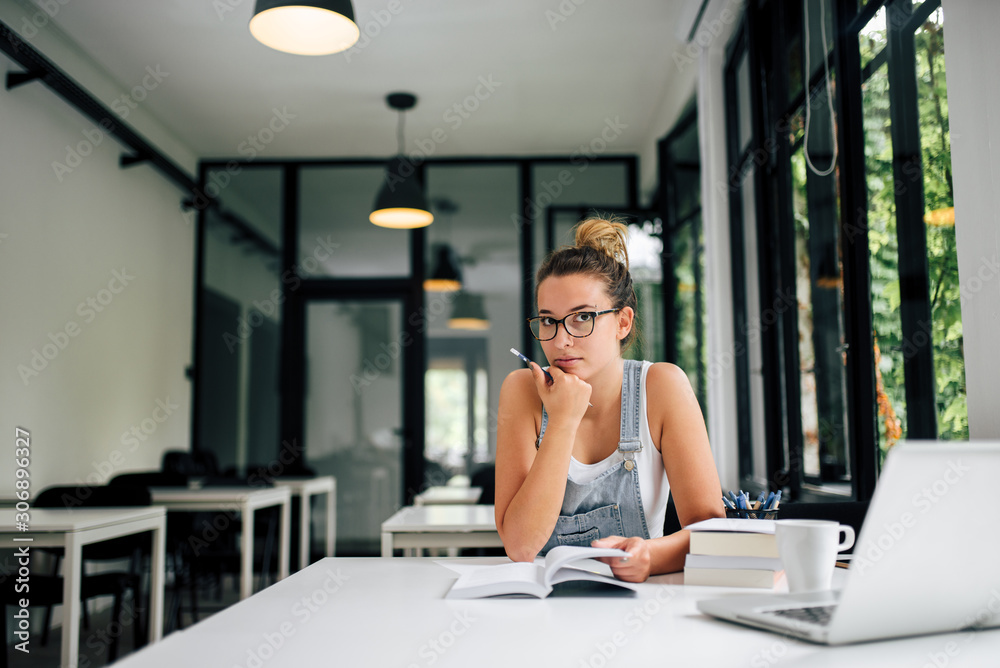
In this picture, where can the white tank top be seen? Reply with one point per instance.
(653, 485)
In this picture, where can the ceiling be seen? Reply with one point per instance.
(511, 77)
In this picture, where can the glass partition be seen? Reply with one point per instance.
(336, 240)
(473, 206)
(353, 412)
(240, 319)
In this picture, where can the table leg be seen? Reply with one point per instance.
(156, 583)
(305, 524)
(284, 551)
(246, 549)
(72, 575)
(331, 521)
(386, 544)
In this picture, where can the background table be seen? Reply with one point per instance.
(451, 526)
(445, 494)
(72, 530)
(392, 612)
(244, 500)
(305, 489)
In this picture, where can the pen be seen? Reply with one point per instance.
(528, 362)
(547, 374)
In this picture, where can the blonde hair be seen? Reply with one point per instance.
(600, 250)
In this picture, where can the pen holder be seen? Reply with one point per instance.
(751, 514)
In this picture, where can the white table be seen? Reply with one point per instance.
(242, 500)
(444, 495)
(450, 526)
(392, 612)
(72, 529)
(305, 489)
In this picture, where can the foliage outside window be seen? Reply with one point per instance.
(945, 330)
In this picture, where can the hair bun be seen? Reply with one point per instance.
(607, 235)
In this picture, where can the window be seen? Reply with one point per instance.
(856, 301)
(684, 255)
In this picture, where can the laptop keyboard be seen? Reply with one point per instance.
(819, 615)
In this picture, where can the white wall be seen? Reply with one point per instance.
(971, 53)
(97, 232)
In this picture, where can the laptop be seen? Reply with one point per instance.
(927, 559)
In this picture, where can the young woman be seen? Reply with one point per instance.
(589, 457)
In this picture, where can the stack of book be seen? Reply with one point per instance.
(728, 552)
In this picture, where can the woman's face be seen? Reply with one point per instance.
(559, 296)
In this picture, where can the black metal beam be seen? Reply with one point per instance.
(911, 232)
(44, 69)
(15, 79)
(859, 354)
(38, 67)
(527, 230)
(130, 159)
(737, 252)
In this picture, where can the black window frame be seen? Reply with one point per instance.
(762, 39)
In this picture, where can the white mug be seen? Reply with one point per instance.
(808, 551)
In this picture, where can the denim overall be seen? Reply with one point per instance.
(609, 505)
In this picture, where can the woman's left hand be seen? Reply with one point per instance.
(634, 568)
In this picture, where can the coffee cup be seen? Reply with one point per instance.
(808, 551)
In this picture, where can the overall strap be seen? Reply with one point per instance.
(628, 443)
(628, 439)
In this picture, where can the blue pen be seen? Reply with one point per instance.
(777, 497)
(767, 503)
(732, 496)
(728, 504)
(528, 362)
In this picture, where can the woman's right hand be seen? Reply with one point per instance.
(567, 397)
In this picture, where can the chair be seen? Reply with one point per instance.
(486, 477)
(222, 554)
(47, 590)
(190, 463)
(671, 523)
(179, 528)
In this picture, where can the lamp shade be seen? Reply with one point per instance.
(305, 27)
(468, 313)
(400, 203)
(447, 274)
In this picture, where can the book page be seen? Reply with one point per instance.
(733, 524)
(502, 573)
(578, 559)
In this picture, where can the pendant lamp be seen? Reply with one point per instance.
(447, 274)
(467, 312)
(400, 203)
(305, 27)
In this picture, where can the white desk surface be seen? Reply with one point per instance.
(441, 518)
(74, 528)
(442, 495)
(392, 612)
(176, 497)
(308, 485)
(61, 520)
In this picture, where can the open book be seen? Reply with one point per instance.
(565, 563)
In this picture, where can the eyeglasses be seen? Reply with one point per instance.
(579, 324)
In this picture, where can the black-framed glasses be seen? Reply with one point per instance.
(579, 324)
